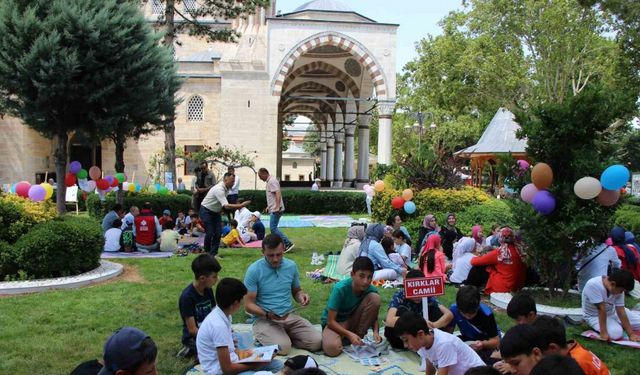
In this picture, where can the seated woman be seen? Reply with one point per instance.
(429, 227)
(350, 249)
(463, 252)
(385, 269)
(506, 268)
(432, 261)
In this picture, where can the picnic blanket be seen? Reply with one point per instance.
(322, 221)
(393, 363)
(596, 336)
(331, 268)
(252, 244)
(135, 254)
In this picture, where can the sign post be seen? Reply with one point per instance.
(424, 287)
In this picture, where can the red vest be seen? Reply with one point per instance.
(145, 228)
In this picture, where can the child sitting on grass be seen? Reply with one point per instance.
(169, 238)
(113, 237)
(197, 227)
(216, 348)
(351, 310)
(233, 237)
(522, 308)
(402, 248)
(389, 248)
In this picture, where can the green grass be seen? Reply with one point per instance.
(50, 333)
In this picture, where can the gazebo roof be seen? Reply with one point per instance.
(498, 138)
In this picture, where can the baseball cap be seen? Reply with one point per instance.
(166, 212)
(256, 214)
(301, 361)
(123, 350)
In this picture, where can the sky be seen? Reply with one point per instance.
(417, 18)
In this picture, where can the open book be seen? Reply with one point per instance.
(261, 354)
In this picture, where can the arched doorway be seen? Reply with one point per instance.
(85, 150)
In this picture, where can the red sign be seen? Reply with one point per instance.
(424, 287)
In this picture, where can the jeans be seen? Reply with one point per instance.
(274, 219)
(274, 366)
(213, 230)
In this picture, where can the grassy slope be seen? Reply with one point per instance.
(50, 333)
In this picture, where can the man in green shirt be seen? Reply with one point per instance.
(352, 308)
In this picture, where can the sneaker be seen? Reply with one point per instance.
(185, 352)
(289, 247)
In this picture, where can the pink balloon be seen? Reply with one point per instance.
(95, 173)
(528, 192)
(606, 197)
(523, 164)
(22, 189)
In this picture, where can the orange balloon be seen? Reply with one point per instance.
(407, 194)
(542, 176)
(379, 185)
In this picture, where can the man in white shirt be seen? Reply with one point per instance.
(211, 210)
(232, 196)
(275, 206)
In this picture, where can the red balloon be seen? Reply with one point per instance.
(115, 182)
(102, 184)
(70, 179)
(397, 203)
(22, 189)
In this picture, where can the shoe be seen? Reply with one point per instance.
(185, 352)
(289, 247)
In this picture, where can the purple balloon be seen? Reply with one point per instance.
(523, 165)
(37, 193)
(109, 178)
(544, 202)
(75, 167)
(528, 192)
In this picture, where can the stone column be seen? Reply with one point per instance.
(363, 149)
(349, 152)
(385, 110)
(323, 160)
(338, 176)
(330, 155)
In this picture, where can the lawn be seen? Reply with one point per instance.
(50, 333)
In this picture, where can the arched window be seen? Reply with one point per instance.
(195, 109)
(295, 165)
(157, 7)
(189, 6)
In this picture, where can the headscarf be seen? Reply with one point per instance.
(375, 232)
(476, 233)
(434, 242)
(630, 240)
(446, 221)
(426, 223)
(388, 230)
(356, 232)
(463, 246)
(507, 237)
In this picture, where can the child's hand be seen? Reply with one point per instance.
(605, 336)
(476, 345)
(355, 339)
(242, 354)
(376, 337)
(634, 337)
(503, 367)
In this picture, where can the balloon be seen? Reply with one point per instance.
(69, 180)
(163, 190)
(121, 178)
(528, 192)
(125, 186)
(102, 184)
(115, 182)
(152, 189)
(366, 187)
(109, 179)
(95, 173)
(370, 192)
(614, 177)
(523, 165)
(397, 203)
(379, 185)
(542, 176)
(22, 189)
(75, 167)
(132, 187)
(48, 189)
(544, 202)
(13, 188)
(89, 186)
(409, 207)
(158, 186)
(138, 187)
(407, 194)
(82, 174)
(587, 188)
(37, 193)
(608, 197)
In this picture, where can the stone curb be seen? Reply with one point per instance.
(106, 270)
(502, 300)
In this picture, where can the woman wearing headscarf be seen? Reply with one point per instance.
(432, 260)
(478, 236)
(429, 226)
(350, 249)
(463, 252)
(370, 247)
(628, 255)
(506, 268)
(450, 234)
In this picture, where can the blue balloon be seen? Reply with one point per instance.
(409, 207)
(544, 202)
(13, 188)
(138, 187)
(158, 186)
(614, 177)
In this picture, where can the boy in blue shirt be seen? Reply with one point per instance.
(197, 301)
(476, 322)
(351, 309)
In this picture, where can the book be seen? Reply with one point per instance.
(261, 354)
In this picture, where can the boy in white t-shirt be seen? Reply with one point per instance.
(603, 306)
(445, 353)
(112, 236)
(216, 350)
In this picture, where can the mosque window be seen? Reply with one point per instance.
(157, 7)
(189, 5)
(295, 165)
(195, 109)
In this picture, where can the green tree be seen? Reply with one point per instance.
(194, 22)
(63, 66)
(311, 143)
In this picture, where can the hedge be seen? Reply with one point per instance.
(628, 217)
(18, 215)
(60, 247)
(299, 202)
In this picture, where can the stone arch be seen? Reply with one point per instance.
(347, 43)
(320, 108)
(321, 65)
(318, 87)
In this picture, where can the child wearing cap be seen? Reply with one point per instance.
(166, 217)
(257, 226)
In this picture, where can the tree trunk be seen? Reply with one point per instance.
(120, 143)
(170, 128)
(61, 165)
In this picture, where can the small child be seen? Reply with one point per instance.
(432, 260)
(166, 217)
(197, 227)
(476, 322)
(402, 248)
(521, 348)
(257, 226)
(352, 308)
(197, 301)
(442, 350)
(182, 223)
(216, 348)
(389, 249)
(113, 237)
(522, 308)
(233, 237)
(169, 238)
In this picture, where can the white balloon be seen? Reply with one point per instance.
(125, 186)
(89, 186)
(587, 188)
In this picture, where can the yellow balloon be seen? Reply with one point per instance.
(48, 189)
(152, 189)
(407, 194)
(132, 187)
(379, 185)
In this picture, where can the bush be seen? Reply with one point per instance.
(305, 202)
(61, 247)
(159, 203)
(18, 215)
(628, 217)
(494, 211)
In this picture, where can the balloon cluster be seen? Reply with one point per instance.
(400, 202)
(607, 190)
(536, 192)
(37, 193)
